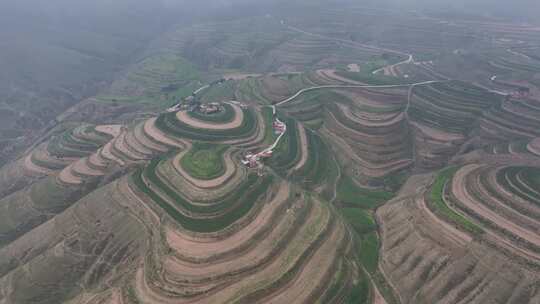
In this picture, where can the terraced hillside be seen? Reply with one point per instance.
(472, 238)
(290, 158)
(367, 128)
(444, 116)
(196, 225)
(53, 155)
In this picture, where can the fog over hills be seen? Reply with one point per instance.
(269, 151)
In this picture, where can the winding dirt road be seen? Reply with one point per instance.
(302, 91)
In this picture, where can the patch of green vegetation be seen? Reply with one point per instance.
(361, 221)
(360, 291)
(65, 145)
(395, 180)
(378, 62)
(50, 195)
(250, 89)
(287, 152)
(219, 92)
(318, 168)
(337, 283)
(368, 252)
(158, 80)
(436, 201)
(132, 295)
(163, 72)
(241, 199)
(269, 135)
(47, 164)
(533, 175)
(349, 193)
(314, 124)
(169, 124)
(358, 213)
(204, 161)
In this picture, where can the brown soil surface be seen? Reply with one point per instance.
(97, 160)
(184, 117)
(531, 209)
(113, 130)
(459, 189)
(437, 134)
(125, 189)
(120, 144)
(353, 67)
(106, 153)
(371, 169)
(167, 173)
(424, 267)
(137, 146)
(331, 74)
(303, 147)
(239, 76)
(319, 265)
(152, 131)
(253, 258)
(371, 120)
(201, 248)
(377, 297)
(255, 139)
(33, 168)
(141, 136)
(66, 176)
(116, 298)
(456, 235)
(502, 206)
(376, 99)
(275, 269)
(81, 167)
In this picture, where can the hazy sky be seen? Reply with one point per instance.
(516, 8)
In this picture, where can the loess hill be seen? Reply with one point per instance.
(398, 178)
